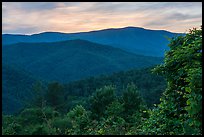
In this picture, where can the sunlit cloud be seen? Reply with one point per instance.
(35, 17)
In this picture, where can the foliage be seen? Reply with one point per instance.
(61, 124)
(115, 109)
(115, 105)
(77, 92)
(100, 100)
(148, 84)
(71, 60)
(16, 88)
(180, 110)
(131, 100)
(79, 118)
(39, 92)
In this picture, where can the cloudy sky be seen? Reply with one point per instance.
(35, 17)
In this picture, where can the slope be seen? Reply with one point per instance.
(150, 86)
(16, 88)
(132, 39)
(72, 60)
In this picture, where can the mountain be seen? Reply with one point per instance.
(132, 39)
(72, 60)
(16, 88)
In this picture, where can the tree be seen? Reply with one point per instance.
(10, 125)
(39, 93)
(100, 100)
(80, 118)
(55, 95)
(131, 99)
(115, 109)
(180, 110)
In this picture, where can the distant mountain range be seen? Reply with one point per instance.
(132, 39)
(66, 57)
(72, 60)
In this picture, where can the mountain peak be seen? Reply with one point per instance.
(131, 39)
(50, 32)
(132, 27)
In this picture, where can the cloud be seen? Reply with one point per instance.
(22, 29)
(35, 17)
(180, 16)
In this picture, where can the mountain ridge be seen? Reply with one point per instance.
(128, 27)
(73, 60)
(131, 39)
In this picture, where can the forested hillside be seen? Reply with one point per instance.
(72, 60)
(148, 84)
(117, 104)
(131, 39)
(16, 88)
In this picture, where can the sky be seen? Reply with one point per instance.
(70, 17)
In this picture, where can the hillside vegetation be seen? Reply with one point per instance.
(16, 88)
(72, 60)
(25, 90)
(106, 111)
(131, 39)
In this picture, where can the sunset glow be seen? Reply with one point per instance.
(36, 17)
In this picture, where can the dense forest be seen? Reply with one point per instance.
(148, 84)
(70, 60)
(135, 102)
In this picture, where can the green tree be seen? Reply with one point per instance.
(180, 110)
(10, 125)
(132, 101)
(61, 124)
(80, 118)
(113, 123)
(39, 93)
(100, 100)
(55, 95)
(115, 109)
